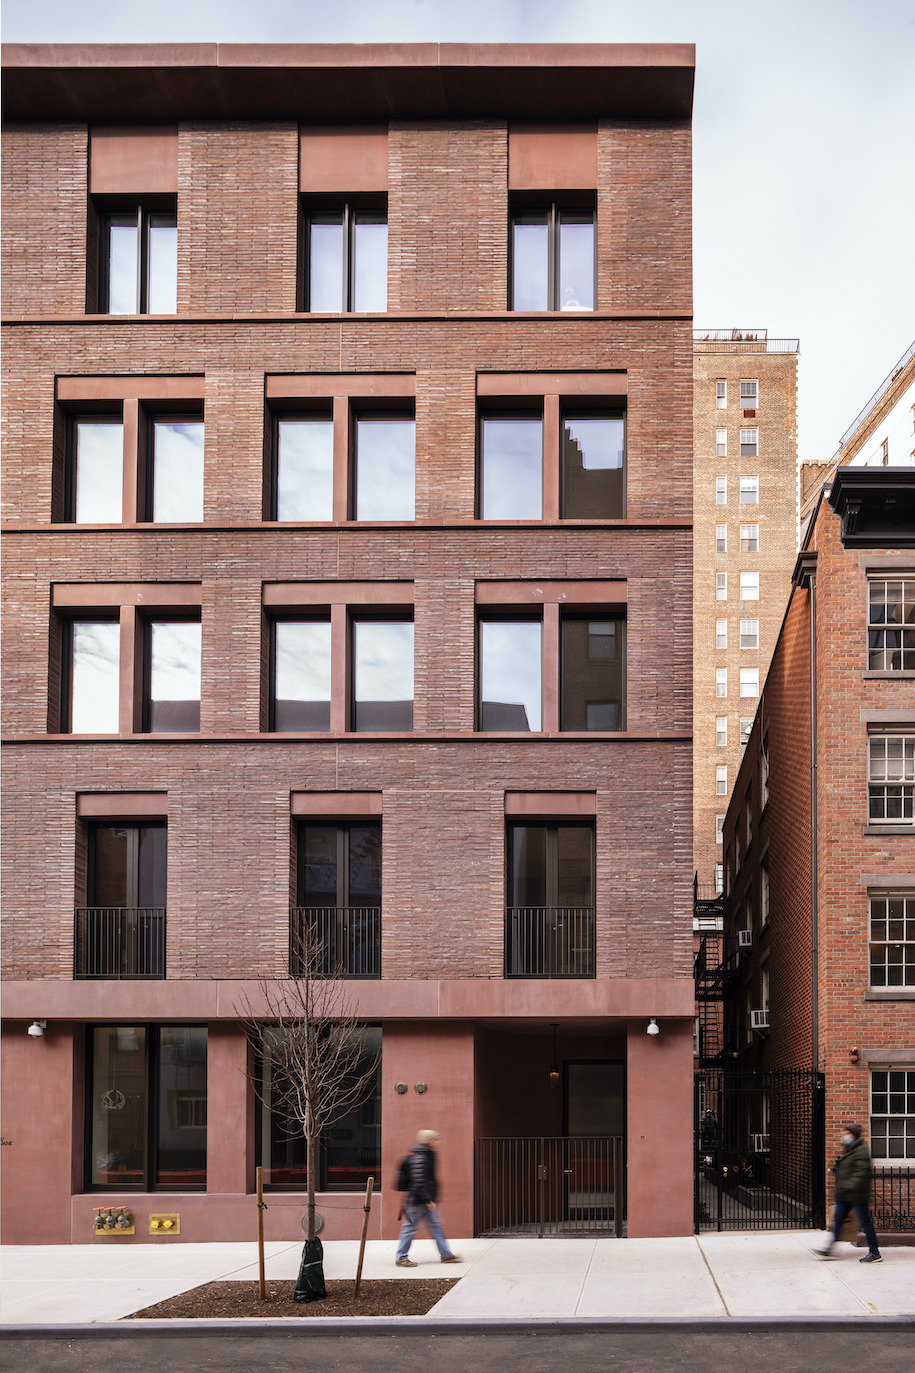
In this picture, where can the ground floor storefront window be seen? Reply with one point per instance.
(147, 1108)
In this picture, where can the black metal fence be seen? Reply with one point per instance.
(549, 941)
(341, 941)
(543, 1186)
(759, 1150)
(119, 942)
(894, 1199)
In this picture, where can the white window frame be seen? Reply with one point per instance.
(721, 538)
(721, 682)
(749, 683)
(891, 778)
(746, 725)
(721, 731)
(721, 780)
(721, 490)
(880, 635)
(896, 931)
(749, 490)
(719, 829)
(721, 586)
(749, 629)
(719, 878)
(749, 399)
(721, 634)
(883, 1080)
(749, 535)
(721, 443)
(749, 443)
(721, 394)
(749, 586)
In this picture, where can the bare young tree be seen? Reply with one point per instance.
(304, 1027)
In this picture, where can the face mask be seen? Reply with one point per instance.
(848, 1139)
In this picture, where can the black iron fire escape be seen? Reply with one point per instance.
(716, 976)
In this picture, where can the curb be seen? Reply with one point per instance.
(252, 1328)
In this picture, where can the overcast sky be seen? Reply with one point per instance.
(803, 145)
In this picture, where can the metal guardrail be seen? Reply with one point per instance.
(335, 941)
(549, 941)
(894, 1199)
(119, 943)
(875, 400)
(753, 340)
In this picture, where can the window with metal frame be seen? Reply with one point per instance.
(120, 932)
(891, 624)
(892, 939)
(891, 779)
(892, 1132)
(346, 257)
(553, 256)
(95, 469)
(510, 673)
(91, 677)
(174, 469)
(336, 926)
(550, 905)
(146, 1108)
(139, 257)
(171, 697)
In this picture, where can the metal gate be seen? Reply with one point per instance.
(539, 1186)
(759, 1149)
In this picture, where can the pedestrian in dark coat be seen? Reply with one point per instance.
(853, 1172)
(421, 1201)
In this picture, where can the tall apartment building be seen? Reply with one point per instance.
(745, 532)
(349, 587)
(820, 836)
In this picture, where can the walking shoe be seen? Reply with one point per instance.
(453, 1258)
(871, 1258)
(404, 1263)
(824, 1253)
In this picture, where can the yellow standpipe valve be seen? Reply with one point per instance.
(153, 1225)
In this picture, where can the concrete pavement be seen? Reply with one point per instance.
(709, 1277)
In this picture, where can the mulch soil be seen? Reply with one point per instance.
(230, 1300)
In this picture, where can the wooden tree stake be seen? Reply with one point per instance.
(365, 1225)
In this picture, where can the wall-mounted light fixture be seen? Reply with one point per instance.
(37, 1029)
(554, 1066)
(653, 1027)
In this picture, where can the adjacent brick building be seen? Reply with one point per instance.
(819, 837)
(348, 498)
(745, 502)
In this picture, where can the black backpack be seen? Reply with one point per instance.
(404, 1176)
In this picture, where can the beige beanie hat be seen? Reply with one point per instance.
(427, 1137)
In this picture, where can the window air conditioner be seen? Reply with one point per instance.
(759, 1144)
(744, 939)
(759, 1020)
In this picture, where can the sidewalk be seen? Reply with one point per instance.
(738, 1276)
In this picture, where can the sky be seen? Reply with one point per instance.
(804, 193)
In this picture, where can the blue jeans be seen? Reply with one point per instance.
(862, 1210)
(414, 1213)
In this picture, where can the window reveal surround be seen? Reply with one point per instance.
(547, 602)
(341, 605)
(341, 399)
(557, 395)
(134, 403)
(132, 607)
(133, 173)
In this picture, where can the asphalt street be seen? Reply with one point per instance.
(643, 1351)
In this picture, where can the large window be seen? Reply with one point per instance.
(350, 1151)
(891, 624)
(139, 260)
(592, 686)
(511, 467)
(749, 634)
(892, 939)
(304, 467)
(511, 674)
(338, 917)
(301, 675)
(550, 907)
(147, 1108)
(552, 257)
(120, 932)
(749, 443)
(175, 470)
(384, 461)
(346, 258)
(593, 459)
(382, 675)
(592, 462)
(893, 1115)
(891, 779)
(91, 706)
(96, 470)
(172, 694)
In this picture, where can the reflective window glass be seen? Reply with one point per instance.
(530, 262)
(99, 475)
(593, 467)
(302, 675)
(370, 261)
(385, 462)
(325, 263)
(305, 469)
(123, 266)
(510, 675)
(118, 1107)
(177, 471)
(174, 676)
(382, 675)
(163, 265)
(576, 260)
(95, 677)
(512, 469)
(593, 674)
(181, 1117)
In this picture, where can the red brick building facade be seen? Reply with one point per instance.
(819, 837)
(210, 656)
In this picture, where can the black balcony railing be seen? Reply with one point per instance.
(549, 941)
(119, 942)
(335, 941)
